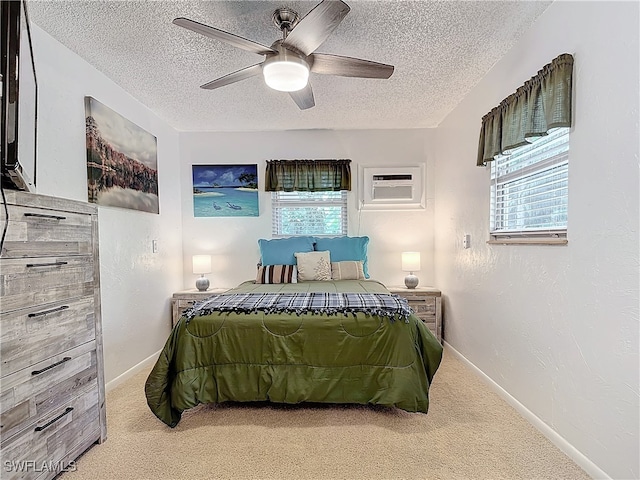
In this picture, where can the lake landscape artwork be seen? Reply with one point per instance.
(225, 190)
(122, 160)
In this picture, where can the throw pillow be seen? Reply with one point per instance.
(313, 266)
(279, 251)
(345, 248)
(347, 270)
(277, 274)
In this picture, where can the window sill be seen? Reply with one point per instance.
(528, 241)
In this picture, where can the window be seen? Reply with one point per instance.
(309, 213)
(529, 189)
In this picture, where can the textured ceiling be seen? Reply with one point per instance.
(440, 50)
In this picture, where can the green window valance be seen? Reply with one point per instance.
(542, 103)
(308, 175)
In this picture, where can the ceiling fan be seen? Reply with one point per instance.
(290, 59)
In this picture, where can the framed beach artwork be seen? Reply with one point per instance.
(225, 190)
(122, 160)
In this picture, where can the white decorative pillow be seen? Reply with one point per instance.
(347, 270)
(313, 266)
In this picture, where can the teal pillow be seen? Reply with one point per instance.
(279, 251)
(345, 248)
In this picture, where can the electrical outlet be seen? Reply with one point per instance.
(154, 246)
(466, 241)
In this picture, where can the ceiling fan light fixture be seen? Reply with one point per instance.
(288, 75)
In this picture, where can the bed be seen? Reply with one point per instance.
(335, 341)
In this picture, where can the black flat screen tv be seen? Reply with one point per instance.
(19, 98)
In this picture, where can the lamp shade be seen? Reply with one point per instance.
(410, 261)
(201, 264)
(288, 75)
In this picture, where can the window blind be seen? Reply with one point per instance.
(309, 213)
(529, 188)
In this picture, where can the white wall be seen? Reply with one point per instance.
(556, 327)
(233, 241)
(136, 283)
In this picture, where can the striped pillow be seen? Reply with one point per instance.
(347, 270)
(277, 274)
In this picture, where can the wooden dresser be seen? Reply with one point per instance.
(52, 405)
(426, 303)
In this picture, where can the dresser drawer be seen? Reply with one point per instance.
(52, 379)
(36, 451)
(34, 334)
(41, 232)
(38, 281)
(31, 393)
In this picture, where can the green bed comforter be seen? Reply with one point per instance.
(289, 358)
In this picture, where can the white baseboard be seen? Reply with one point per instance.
(132, 371)
(553, 436)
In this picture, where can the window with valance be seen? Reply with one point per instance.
(526, 140)
(542, 103)
(308, 197)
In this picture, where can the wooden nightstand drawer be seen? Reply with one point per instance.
(426, 305)
(183, 303)
(185, 299)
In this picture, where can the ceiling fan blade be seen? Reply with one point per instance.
(316, 26)
(304, 98)
(234, 77)
(223, 36)
(326, 64)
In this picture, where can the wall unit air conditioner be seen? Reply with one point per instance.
(385, 188)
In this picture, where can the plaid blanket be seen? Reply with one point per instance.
(385, 305)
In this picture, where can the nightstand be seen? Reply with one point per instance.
(186, 298)
(426, 302)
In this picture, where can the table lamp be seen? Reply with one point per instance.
(202, 265)
(411, 263)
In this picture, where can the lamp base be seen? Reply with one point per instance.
(202, 284)
(411, 281)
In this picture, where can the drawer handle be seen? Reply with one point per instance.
(53, 264)
(51, 422)
(38, 372)
(44, 312)
(42, 215)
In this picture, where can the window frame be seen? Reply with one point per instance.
(279, 200)
(547, 235)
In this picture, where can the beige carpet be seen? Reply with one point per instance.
(469, 433)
